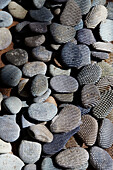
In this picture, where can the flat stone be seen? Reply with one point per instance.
(42, 111)
(5, 147)
(38, 27)
(107, 69)
(17, 10)
(47, 163)
(25, 123)
(62, 33)
(19, 27)
(68, 119)
(10, 75)
(39, 85)
(3, 3)
(13, 104)
(79, 25)
(34, 41)
(41, 133)
(75, 55)
(5, 38)
(10, 161)
(71, 14)
(30, 167)
(110, 10)
(55, 71)
(23, 88)
(64, 84)
(42, 15)
(31, 69)
(72, 158)
(88, 130)
(64, 97)
(30, 152)
(39, 3)
(97, 14)
(17, 57)
(9, 130)
(5, 19)
(100, 55)
(100, 159)
(103, 46)
(59, 141)
(85, 36)
(40, 53)
(84, 6)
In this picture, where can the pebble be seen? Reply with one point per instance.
(5, 38)
(107, 69)
(85, 36)
(90, 95)
(42, 15)
(88, 130)
(96, 15)
(30, 167)
(100, 159)
(73, 158)
(84, 5)
(34, 41)
(10, 75)
(75, 55)
(71, 14)
(19, 27)
(13, 104)
(25, 123)
(105, 138)
(64, 97)
(5, 19)
(100, 55)
(17, 10)
(98, 2)
(41, 133)
(31, 69)
(89, 74)
(62, 33)
(42, 98)
(10, 161)
(55, 71)
(38, 27)
(1, 98)
(3, 3)
(51, 99)
(39, 3)
(55, 46)
(103, 46)
(41, 53)
(57, 11)
(17, 56)
(110, 10)
(105, 30)
(64, 84)
(104, 106)
(41, 111)
(9, 130)
(68, 119)
(5, 147)
(47, 164)
(79, 25)
(84, 110)
(23, 89)
(29, 151)
(59, 141)
(39, 85)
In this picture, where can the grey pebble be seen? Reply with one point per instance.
(84, 5)
(79, 25)
(10, 75)
(5, 19)
(42, 111)
(98, 2)
(55, 71)
(5, 38)
(47, 164)
(25, 123)
(30, 167)
(21, 25)
(3, 3)
(1, 98)
(38, 3)
(38, 27)
(34, 41)
(100, 55)
(110, 10)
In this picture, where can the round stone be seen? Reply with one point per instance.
(17, 57)
(55, 71)
(47, 163)
(30, 167)
(5, 147)
(5, 38)
(25, 123)
(64, 84)
(34, 41)
(100, 55)
(68, 119)
(84, 5)
(13, 104)
(21, 25)
(29, 151)
(75, 55)
(33, 68)
(38, 27)
(39, 85)
(10, 75)
(17, 10)
(3, 3)
(38, 3)
(42, 111)
(5, 19)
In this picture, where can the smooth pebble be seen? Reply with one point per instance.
(30, 167)
(5, 147)
(5, 19)
(34, 41)
(5, 38)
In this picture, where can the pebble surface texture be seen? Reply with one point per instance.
(34, 41)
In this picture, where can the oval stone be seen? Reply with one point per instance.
(5, 38)
(5, 19)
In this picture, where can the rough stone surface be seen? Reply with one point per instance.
(100, 55)
(38, 27)
(5, 38)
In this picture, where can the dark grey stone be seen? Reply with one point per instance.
(38, 27)
(34, 41)
(21, 25)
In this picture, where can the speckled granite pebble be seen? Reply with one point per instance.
(5, 19)
(30, 167)
(34, 41)
(5, 38)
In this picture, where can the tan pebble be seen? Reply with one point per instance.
(51, 100)
(57, 11)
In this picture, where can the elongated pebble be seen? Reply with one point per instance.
(5, 38)
(3, 3)
(107, 69)
(103, 46)
(21, 25)
(64, 97)
(55, 71)
(47, 163)
(84, 6)
(31, 69)
(100, 55)
(38, 27)
(5, 147)
(34, 41)
(97, 14)
(30, 167)
(5, 19)
(42, 111)
(64, 84)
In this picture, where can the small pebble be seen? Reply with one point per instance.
(3, 3)
(55, 46)
(84, 5)
(100, 55)
(64, 97)
(38, 27)
(42, 111)
(38, 3)
(103, 46)
(23, 89)
(39, 85)
(31, 69)
(34, 41)
(55, 71)
(57, 11)
(17, 10)
(19, 27)
(25, 123)
(5, 19)
(47, 164)
(5, 147)
(5, 38)
(29, 151)
(30, 167)
(17, 57)
(10, 75)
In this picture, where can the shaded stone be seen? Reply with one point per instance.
(47, 163)
(103, 46)
(30, 167)
(21, 25)
(3, 3)
(34, 41)
(25, 123)
(38, 27)
(84, 110)
(55, 71)
(5, 147)
(64, 97)
(23, 89)
(84, 5)
(100, 55)
(110, 10)
(5, 19)
(5, 38)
